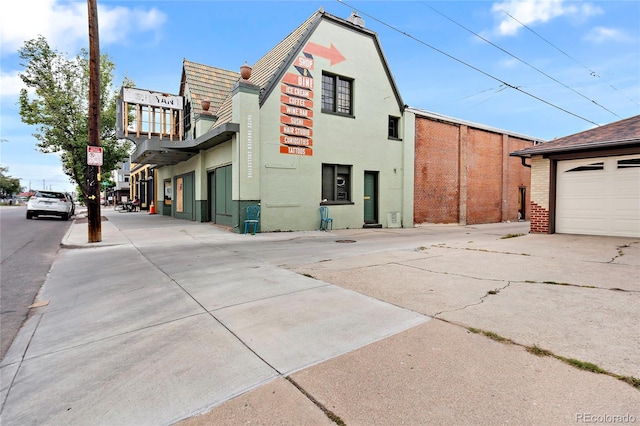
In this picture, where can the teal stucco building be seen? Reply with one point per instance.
(317, 121)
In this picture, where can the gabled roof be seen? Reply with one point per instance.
(623, 133)
(268, 71)
(206, 83)
(268, 66)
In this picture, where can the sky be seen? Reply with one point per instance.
(544, 69)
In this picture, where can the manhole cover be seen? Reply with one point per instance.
(345, 241)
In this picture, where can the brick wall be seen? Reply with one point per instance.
(539, 219)
(540, 169)
(465, 174)
(436, 190)
(484, 200)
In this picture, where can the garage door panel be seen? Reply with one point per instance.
(625, 227)
(585, 205)
(583, 225)
(598, 197)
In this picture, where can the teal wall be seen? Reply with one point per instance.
(201, 211)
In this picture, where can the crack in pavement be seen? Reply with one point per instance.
(621, 252)
(489, 293)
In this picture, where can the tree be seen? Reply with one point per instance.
(8, 185)
(59, 107)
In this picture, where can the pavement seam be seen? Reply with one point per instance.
(124, 333)
(22, 358)
(330, 414)
(540, 352)
(204, 308)
(269, 297)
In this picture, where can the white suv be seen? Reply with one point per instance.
(49, 203)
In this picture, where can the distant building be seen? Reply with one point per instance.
(120, 192)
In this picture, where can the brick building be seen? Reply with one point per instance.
(464, 174)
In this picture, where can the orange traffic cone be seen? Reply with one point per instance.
(152, 208)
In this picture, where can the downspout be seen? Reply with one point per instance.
(522, 159)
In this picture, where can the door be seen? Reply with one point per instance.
(220, 196)
(184, 196)
(522, 197)
(370, 197)
(599, 196)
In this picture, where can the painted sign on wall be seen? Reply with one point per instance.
(296, 108)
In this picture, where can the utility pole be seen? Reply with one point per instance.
(93, 174)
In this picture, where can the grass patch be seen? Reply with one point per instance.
(538, 351)
(511, 236)
(490, 334)
(576, 363)
(496, 291)
(583, 365)
(308, 275)
(554, 283)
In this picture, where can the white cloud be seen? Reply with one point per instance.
(10, 83)
(65, 24)
(531, 12)
(602, 34)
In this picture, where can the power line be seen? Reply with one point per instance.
(591, 72)
(467, 64)
(492, 89)
(519, 59)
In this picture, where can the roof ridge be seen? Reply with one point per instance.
(184, 61)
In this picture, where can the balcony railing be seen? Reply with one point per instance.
(146, 114)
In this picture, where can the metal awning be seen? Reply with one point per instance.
(166, 152)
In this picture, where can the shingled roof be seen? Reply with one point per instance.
(267, 68)
(623, 133)
(207, 83)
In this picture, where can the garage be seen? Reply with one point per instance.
(599, 196)
(587, 183)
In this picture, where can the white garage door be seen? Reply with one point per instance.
(599, 196)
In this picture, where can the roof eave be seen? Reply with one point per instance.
(589, 146)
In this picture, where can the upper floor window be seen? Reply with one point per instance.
(394, 124)
(187, 116)
(337, 94)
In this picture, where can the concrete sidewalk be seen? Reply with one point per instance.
(168, 320)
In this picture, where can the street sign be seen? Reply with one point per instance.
(94, 155)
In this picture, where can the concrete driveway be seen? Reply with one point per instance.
(168, 320)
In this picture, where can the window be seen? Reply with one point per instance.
(336, 183)
(187, 116)
(588, 168)
(394, 123)
(625, 164)
(337, 94)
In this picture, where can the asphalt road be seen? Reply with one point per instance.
(27, 251)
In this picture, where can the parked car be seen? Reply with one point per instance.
(73, 203)
(49, 203)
